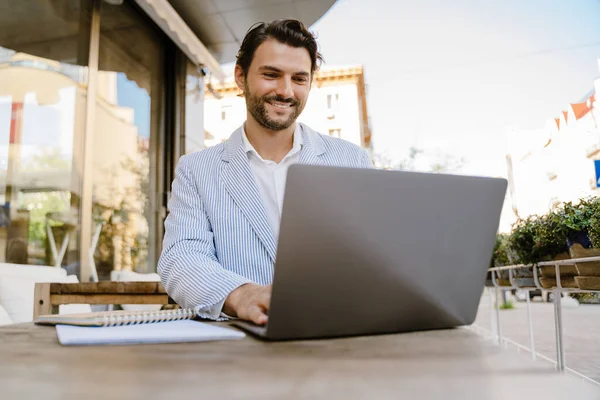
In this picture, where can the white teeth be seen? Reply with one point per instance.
(283, 106)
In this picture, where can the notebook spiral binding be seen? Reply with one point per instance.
(148, 317)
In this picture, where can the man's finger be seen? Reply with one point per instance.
(256, 315)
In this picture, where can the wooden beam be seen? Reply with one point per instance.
(42, 304)
(56, 299)
(107, 287)
(48, 296)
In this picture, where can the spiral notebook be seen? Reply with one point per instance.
(116, 318)
(128, 327)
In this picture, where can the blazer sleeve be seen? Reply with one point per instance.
(365, 159)
(188, 266)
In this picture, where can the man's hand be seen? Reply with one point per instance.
(249, 302)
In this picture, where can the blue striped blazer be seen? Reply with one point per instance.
(217, 235)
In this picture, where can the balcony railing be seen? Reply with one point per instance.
(557, 291)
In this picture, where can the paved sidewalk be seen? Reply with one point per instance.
(581, 332)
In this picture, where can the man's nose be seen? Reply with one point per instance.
(284, 89)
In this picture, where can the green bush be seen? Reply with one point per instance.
(522, 240)
(594, 231)
(500, 255)
(574, 217)
(549, 237)
(542, 238)
(591, 212)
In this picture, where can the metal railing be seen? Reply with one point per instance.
(505, 343)
(557, 292)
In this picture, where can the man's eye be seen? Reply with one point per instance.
(270, 75)
(301, 80)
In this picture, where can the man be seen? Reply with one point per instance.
(220, 236)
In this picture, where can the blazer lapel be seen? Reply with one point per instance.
(240, 183)
(312, 147)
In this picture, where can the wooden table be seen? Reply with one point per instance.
(449, 364)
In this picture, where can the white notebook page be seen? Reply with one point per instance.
(161, 332)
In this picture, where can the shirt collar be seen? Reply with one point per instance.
(296, 146)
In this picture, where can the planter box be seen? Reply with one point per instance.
(503, 282)
(525, 282)
(522, 279)
(591, 268)
(566, 282)
(549, 271)
(588, 282)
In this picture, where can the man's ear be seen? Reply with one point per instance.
(240, 79)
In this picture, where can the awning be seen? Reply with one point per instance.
(163, 14)
(222, 24)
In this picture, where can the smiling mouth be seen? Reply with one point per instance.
(280, 105)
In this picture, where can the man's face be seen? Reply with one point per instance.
(277, 84)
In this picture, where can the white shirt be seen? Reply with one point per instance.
(270, 178)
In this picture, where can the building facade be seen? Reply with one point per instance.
(337, 106)
(556, 163)
(98, 100)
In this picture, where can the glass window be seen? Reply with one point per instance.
(332, 100)
(194, 110)
(127, 135)
(42, 113)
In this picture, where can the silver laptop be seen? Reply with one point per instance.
(370, 251)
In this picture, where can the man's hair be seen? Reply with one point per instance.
(287, 31)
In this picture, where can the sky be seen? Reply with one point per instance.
(452, 76)
(129, 94)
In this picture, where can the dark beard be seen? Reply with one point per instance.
(257, 108)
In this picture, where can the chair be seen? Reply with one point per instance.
(17, 289)
(69, 222)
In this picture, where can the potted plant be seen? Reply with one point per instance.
(590, 271)
(522, 240)
(549, 237)
(506, 253)
(586, 243)
(499, 259)
(594, 230)
(577, 220)
(551, 245)
(536, 239)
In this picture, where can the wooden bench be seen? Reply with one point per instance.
(48, 296)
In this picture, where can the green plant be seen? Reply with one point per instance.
(549, 237)
(522, 240)
(586, 298)
(590, 206)
(582, 218)
(500, 253)
(594, 231)
(542, 238)
(574, 217)
(507, 305)
(591, 211)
